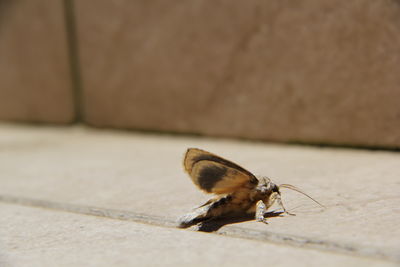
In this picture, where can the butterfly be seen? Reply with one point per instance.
(237, 190)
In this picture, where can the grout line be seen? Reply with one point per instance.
(88, 210)
(230, 231)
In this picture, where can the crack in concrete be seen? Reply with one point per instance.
(230, 231)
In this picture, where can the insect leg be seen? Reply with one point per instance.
(261, 209)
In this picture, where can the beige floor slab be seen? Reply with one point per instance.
(142, 173)
(40, 237)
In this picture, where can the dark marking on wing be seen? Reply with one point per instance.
(210, 175)
(225, 162)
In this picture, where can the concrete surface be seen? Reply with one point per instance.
(316, 71)
(39, 237)
(83, 196)
(35, 82)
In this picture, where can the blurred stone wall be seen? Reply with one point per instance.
(312, 71)
(35, 82)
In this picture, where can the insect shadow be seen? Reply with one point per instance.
(214, 224)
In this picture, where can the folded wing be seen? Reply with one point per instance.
(214, 174)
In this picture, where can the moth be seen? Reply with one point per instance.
(237, 190)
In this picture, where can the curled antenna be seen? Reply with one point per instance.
(292, 187)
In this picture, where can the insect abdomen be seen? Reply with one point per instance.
(211, 209)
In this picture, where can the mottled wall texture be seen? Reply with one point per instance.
(312, 71)
(35, 82)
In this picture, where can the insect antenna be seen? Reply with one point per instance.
(292, 187)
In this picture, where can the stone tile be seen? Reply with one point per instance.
(314, 71)
(142, 174)
(35, 81)
(40, 237)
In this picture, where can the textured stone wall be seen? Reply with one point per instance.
(312, 71)
(317, 71)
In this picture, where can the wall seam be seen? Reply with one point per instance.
(74, 62)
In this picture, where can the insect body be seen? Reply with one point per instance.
(238, 191)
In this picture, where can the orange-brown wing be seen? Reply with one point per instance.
(214, 174)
